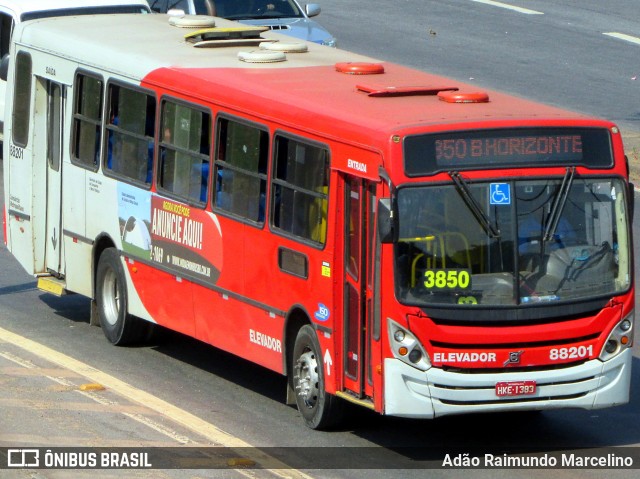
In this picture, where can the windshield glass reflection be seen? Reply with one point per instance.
(546, 251)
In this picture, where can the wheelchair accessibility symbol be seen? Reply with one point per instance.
(500, 193)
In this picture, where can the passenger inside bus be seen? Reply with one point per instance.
(128, 156)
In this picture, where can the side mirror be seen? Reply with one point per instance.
(312, 9)
(4, 67)
(385, 221)
(632, 201)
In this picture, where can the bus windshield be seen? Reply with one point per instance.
(234, 10)
(533, 241)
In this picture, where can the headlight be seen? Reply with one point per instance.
(406, 347)
(621, 338)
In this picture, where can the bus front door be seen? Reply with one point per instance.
(358, 286)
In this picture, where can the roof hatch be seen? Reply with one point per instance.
(403, 90)
(226, 36)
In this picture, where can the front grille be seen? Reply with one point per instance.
(540, 383)
(513, 400)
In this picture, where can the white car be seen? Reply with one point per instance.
(285, 16)
(13, 12)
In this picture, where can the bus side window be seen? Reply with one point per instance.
(299, 196)
(130, 130)
(183, 162)
(87, 121)
(6, 26)
(241, 169)
(21, 100)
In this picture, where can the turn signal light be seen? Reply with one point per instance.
(620, 339)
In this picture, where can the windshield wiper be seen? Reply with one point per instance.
(558, 205)
(475, 208)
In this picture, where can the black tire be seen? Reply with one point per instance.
(118, 325)
(319, 409)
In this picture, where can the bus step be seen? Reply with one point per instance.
(52, 285)
(352, 399)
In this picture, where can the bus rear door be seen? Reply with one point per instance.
(55, 94)
(47, 147)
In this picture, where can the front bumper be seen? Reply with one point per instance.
(410, 392)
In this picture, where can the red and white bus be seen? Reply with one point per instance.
(377, 234)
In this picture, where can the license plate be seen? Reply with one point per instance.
(515, 388)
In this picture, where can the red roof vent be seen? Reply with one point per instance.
(360, 68)
(464, 97)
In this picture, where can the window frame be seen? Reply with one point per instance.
(160, 143)
(275, 182)
(260, 176)
(55, 124)
(21, 109)
(78, 117)
(109, 127)
(7, 24)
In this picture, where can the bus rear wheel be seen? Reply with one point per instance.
(319, 409)
(118, 325)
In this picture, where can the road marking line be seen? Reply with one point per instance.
(18, 360)
(622, 36)
(176, 414)
(159, 428)
(509, 7)
(11, 439)
(24, 372)
(25, 363)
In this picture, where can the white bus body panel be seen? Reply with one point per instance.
(20, 231)
(18, 178)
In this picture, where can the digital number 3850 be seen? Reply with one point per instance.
(447, 279)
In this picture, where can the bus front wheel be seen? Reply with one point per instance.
(111, 297)
(319, 409)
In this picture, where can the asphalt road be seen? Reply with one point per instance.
(563, 54)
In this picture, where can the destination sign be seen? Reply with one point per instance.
(532, 146)
(428, 154)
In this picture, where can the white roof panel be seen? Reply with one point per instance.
(139, 44)
(22, 6)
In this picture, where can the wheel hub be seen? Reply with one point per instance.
(111, 298)
(307, 378)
